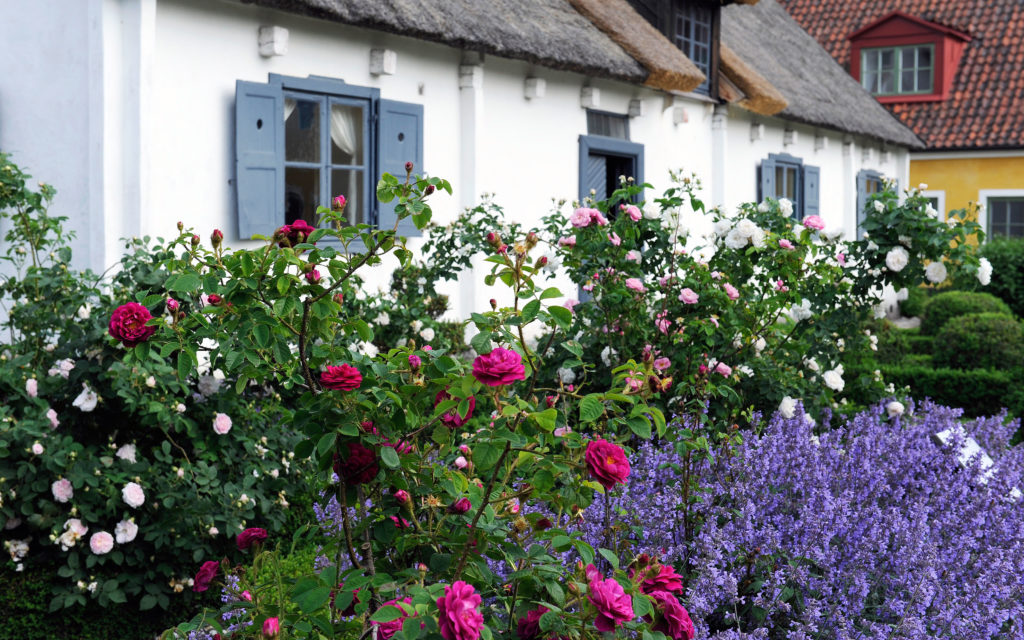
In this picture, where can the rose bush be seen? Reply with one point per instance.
(116, 473)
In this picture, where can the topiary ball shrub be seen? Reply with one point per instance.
(980, 341)
(958, 303)
(1007, 258)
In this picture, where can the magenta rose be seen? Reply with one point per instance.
(673, 619)
(660, 578)
(452, 419)
(499, 367)
(128, 324)
(459, 612)
(460, 506)
(388, 629)
(607, 463)
(344, 377)
(250, 537)
(529, 627)
(358, 467)
(614, 606)
(292, 234)
(205, 576)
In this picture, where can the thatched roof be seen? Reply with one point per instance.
(758, 95)
(669, 68)
(546, 32)
(818, 90)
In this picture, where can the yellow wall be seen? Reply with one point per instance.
(963, 178)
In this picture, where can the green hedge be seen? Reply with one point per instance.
(913, 306)
(1007, 258)
(958, 303)
(919, 344)
(980, 341)
(977, 391)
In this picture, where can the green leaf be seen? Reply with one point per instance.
(641, 605)
(550, 292)
(184, 283)
(387, 613)
(390, 457)
(184, 365)
(545, 419)
(591, 408)
(641, 427)
(562, 316)
(313, 599)
(262, 334)
(485, 455)
(283, 283)
(610, 557)
(326, 442)
(364, 331)
(148, 602)
(530, 311)
(481, 342)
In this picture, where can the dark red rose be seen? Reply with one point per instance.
(358, 467)
(529, 627)
(206, 574)
(452, 419)
(673, 620)
(128, 324)
(542, 524)
(292, 234)
(460, 506)
(661, 578)
(344, 377)
(214, 299)
(249, 537)
(500, 366)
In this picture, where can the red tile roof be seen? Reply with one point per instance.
(986, 106)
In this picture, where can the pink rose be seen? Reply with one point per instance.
(452, 419)
(101, 543)
(338, 203)
(221, 424)
(814, 222)
(499, 367)
(415, 362)
(344, 377)
(249, 537)
(613, 605)
(635, 284)
(51, 415)
(781, 286)
(661, 364)
(632, 211)
(32, 387)
(660, 578)
(459, 612)
(723, 369)
(567, 241)
(614, 239)
(786, 244)
(673, 620)
(570, 304)
(133, 495)
(461, 462)
(633, 255)
(271, 627)
(62, 490)
(172, 305)
(689, 296)
(597, 218)
(358, 467)
(128, 324)
(400, 523)
(402, 496)
(205, 576)
(607, 463)
(388, 629)
(731, 291)
(841, 259)
(312, 276)
(460, 506)
(292, 234)
(581, 217)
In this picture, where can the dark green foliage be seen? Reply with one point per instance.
(1007, 258)
(918, 343)
(980, 341)
(913, 306)
(958, 303)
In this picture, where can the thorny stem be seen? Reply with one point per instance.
(480, 511)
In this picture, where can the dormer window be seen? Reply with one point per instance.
(902, 58)
(691, 25)
(886, 71)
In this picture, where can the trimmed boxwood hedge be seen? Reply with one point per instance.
(951, 304)
(980, 341)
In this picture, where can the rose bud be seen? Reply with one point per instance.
(339, 298)
(214, 299)
(338, 203)
(531, 239)
(494, 304)
(172, 305)
(402, 496)
(429, 190)
(422, 568)
(460, 506)
(493, 238)
(408, 167)
(216, 238)
(367, 426)
(415, 362)
(503, 249)
(542, 524)
(550, 400)
(542, 261)
(312, 276)
(181, 225)
(464, 449)
(195, 241)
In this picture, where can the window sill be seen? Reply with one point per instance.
(911, 97)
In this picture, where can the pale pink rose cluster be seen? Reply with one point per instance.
(586, 216)
(221, 424)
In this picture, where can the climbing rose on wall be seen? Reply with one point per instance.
(128, 324)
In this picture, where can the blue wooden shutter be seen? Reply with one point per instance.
(400, 140)
(259, 158)
(812, 180)
(766, 179)
(595, 177)
(862, 201)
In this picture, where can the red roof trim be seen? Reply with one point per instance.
(906, 16)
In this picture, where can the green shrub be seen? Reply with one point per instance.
(918, 343)
(980, 341)
(913, 306)
(1007, 258)
(958, 303)
(977, 391)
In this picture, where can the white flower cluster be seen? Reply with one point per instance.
(744, 232)
(834, 378)
(984, 272)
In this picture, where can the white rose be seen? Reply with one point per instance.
(764, 206)
(722, 227)
(416, 325)
(984, 272)
(133, 495)
(127, 452)
(930, 210)
(427, 334)
(894, 409)
(87, 400)
(369, 348)
(785, 207)
(383, 319)
(833, 379)
(606, 356)
(801, 311)
(879, 207)
(759, 345)
(735, 239)
(812, 364)
(84, 311)
(936, 272)
(566, 376)
(125, 531)
(897, 259)
(787, 408)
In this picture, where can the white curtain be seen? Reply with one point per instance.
(344, 120)
(289, 106)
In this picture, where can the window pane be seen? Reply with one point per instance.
(301, 194)
(871, 59)
(791, 184)
(349, 182)
(347, 134)
(301, 130)
(924, 80)
(908, 58)
(1016, 210)
(888, 58)
(887, 82)
(907, 81)
(870, 81)
(780, 183)
(924, 57)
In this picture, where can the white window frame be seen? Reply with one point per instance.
(983, 197)
(939, 195)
